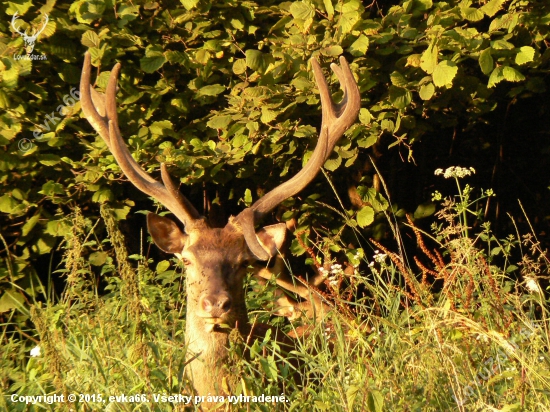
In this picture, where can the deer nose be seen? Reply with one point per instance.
(216, 305)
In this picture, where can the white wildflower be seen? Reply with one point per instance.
(455, 171)
(532, 286)
(36, 351)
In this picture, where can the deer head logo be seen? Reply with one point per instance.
(29, 40)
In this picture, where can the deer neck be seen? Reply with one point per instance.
(208, 350)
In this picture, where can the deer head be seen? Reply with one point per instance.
(30, 41)
(216, 259)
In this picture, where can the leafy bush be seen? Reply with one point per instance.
(222, 92)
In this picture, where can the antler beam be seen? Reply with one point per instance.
(336, 119)
(106, 125)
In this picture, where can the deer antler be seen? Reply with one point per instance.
(336, 119)
(43, 27)
(13, 20)
(100, 110)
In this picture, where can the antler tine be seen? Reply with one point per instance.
(43, 26)
(336, 119)
(107, 127)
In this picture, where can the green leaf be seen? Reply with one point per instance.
(162, 266)
(333, 164)
(512, 75)
(11, 299)
(365, 216)
(268, 115)
(98, 258)
(247, 197)
(219, 122)
(399, 97)
(375, 401)
(486, 62)
(90, 39)
(239, 66)
(526, 54)
(427, 91)
(472, 14)
(424, 210)
(397, 79)
(8, 204)
(444, 73)
(302, 11)
(152, 64)
(189, 4)
(211, 90)
(360, 46)
(48, 159)
(255, 60)
(365, 117)
(333, 50)
(492, 7)
(495, 77)
(428, 60)
(30, 224)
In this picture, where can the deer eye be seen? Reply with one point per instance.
(245, 263)
(186, 261)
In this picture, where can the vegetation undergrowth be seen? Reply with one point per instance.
(465, 327)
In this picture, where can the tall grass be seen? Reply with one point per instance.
(461, 327)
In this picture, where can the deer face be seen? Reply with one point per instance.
(216, 261)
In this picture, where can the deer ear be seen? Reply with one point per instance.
(272, 237)
(165, 233)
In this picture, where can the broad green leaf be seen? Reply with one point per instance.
(333, 164)
(8, 204)
(255, 59)
(502, 45)
(239, 66)
(397, 79)
(90, 39)
(486, 61)
(360, 46)
(162, 266)
(161, 127)
(98, 258)
(189, 4)
(301, 10)
(495, 77)
(424, 210)
(334, 50)
(211, 90)
(512, 75)
(492, 7)
(49, 159)
(427, 91)
(268, 115)
(399, 97)
(365, 117)
(152, 64)
(472, 14)
(375, 401)
(4, 101)
(30, 224)
(428, 61)
(444, 73)
(525, 55)
(365, 216)
(329, 8)
(219, 122)
(11, 299)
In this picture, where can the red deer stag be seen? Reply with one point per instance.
(216, 258)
